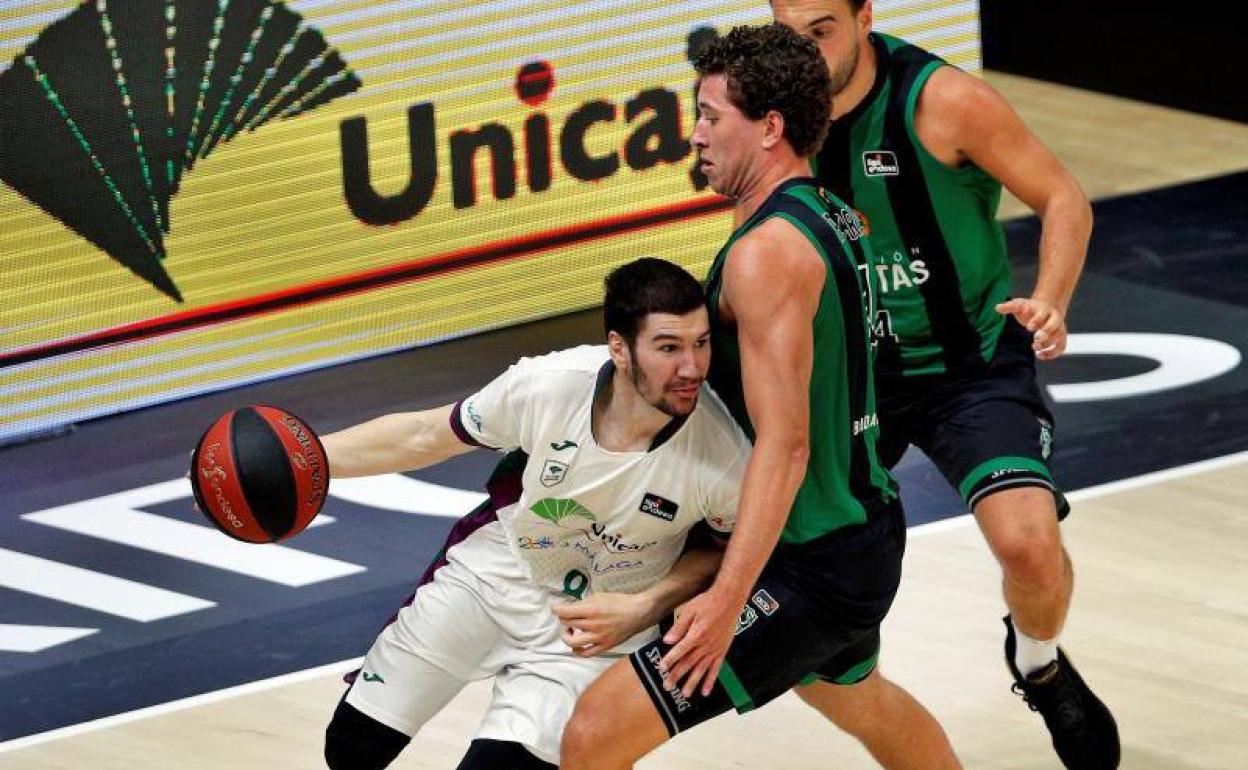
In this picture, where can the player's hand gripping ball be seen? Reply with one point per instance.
(259, 474)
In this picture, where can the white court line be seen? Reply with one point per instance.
(1144, 480)
(340, 667)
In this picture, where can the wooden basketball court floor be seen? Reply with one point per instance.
(1159, 624)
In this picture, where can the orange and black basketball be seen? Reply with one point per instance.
(259, 474)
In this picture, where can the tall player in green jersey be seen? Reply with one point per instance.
(815, 559)
(921, 150)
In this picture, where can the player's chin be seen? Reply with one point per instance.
(679, 405)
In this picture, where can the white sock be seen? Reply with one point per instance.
(1031, 655)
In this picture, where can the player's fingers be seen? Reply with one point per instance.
(677, 654)
(1036, 319)
(574, 637)
(695, 677)
(592, 650)
(676, 674)
(1009, 307)
(679, 628)
(569, 611)
(1053, 350)
(712, 676)
(1052, 325)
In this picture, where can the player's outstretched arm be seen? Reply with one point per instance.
(960, 117)
(403, 441)
(603, 621)
(772, 284)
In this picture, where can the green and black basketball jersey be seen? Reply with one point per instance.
(845, 482)
(939, 251)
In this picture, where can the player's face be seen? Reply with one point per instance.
(724, 138)
(670, 358)
(834, 27)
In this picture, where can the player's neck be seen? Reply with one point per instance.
(623, 420)
(859, 84)
(768, 179)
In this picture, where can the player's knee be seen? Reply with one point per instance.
(355, 741)
(489, 754)
(1033, 558)
(583, 734)
(853, 708)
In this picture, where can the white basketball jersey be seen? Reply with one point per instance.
(588, 519)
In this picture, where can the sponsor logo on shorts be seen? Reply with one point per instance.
(678, 698)
(553, 472)
(535, 544)
(748, 616)
(369, 676)
(1046, 439)
(1005, 473)
(658, 507)
(765, 602)
(880, 163)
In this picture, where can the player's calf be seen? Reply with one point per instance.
(489, 754)
(355, 741)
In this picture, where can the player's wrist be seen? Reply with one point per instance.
(730, 590)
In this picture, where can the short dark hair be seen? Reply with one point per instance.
(854, 5)
(771, 67)
(645, 286)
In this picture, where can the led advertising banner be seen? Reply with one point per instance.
(205, 193)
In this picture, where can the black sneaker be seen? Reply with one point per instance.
(1084, 732)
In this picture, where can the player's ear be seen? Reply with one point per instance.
(618, 347)
(773, 129)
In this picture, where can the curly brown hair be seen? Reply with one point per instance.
(771, 67)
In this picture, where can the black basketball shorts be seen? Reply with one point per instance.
(815, 613)
(986, 430)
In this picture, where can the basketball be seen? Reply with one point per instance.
(259, 474)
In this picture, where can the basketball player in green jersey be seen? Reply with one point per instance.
(921, 150)
(815, 560)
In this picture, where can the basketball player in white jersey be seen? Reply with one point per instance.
(616, 452)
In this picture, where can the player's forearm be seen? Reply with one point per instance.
(772, 478)
(390, 444)
(689, 576)
(1066, 226)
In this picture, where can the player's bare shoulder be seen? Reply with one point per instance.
(775, 250)
(952, 107)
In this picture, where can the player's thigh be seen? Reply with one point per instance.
(446, 637)
(401, 689)
(534, 697)
(843, 687)
(987, 443)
